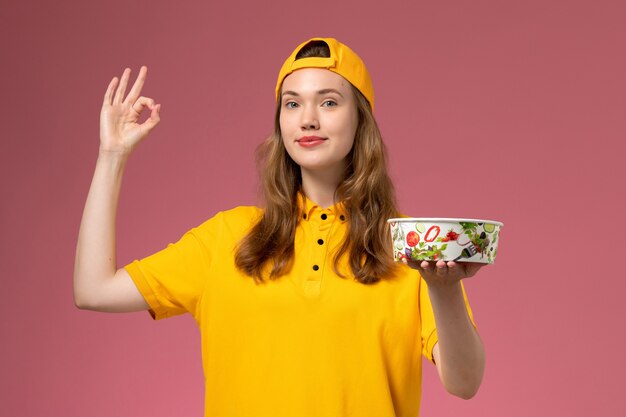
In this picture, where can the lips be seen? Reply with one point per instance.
(309, 139)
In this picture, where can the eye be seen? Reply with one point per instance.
(291, 104)
(329, 103)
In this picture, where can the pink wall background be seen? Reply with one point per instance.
(506, 110)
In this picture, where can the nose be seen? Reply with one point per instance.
(309, 119)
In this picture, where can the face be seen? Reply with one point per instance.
(318, 119)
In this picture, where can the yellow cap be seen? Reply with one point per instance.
(342, 61)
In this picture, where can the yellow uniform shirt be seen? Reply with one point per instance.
(307, 344)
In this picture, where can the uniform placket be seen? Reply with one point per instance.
(321, 222)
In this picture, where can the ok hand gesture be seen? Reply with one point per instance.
(120, 131)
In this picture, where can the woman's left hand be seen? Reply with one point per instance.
(445, 273)
(459, 353)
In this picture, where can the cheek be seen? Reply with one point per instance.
(286, 125)
(283, 125)
(284, 117)
(354, 126)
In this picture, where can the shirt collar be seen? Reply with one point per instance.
(310, 210)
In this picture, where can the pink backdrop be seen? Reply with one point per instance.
(506, 110)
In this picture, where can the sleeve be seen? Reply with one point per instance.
(172, 280)
(429, 329)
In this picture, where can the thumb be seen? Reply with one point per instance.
(154, 119)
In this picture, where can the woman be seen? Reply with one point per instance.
(301, 308)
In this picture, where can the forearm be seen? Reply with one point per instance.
(96, 248)
(461, 352)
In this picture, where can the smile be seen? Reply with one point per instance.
(310, 141)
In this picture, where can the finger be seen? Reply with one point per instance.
(109, 93)
(137, 86)
(463, 270)
(154, 119)
(441, 269)
(143, 102)
(121, 89)
(456, 270)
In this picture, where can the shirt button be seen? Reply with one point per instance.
(324, 216)
(304, 215)
(342, 217)
(320, 242)
(315, 267)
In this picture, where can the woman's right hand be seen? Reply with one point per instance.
(119, 130)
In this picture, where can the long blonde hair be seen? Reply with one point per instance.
(366, 193)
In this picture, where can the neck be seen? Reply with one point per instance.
(320, 186)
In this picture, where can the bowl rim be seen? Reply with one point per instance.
(441, 219)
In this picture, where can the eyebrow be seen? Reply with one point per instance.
(320, 92)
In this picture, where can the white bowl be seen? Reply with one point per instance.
(433, 239)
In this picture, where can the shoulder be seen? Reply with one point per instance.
(244, 214)
(241, 218)
(235, 222)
